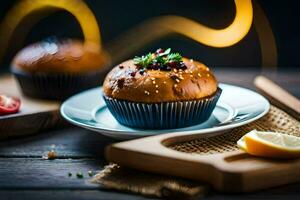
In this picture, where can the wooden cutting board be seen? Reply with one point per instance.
(34, 114)
(233, 171)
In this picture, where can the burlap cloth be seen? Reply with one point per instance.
(124, 179)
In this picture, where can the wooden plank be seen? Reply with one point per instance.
(244, 173)
(245, 77)
(278, 96)
(233, 171)
(34, 116)
(290, 191)
(78, 143)
(285, 192)
(68, 143)
(69, 194)
(33, 173)
(9, 86)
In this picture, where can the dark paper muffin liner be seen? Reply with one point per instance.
(56, 86)
(165, 115)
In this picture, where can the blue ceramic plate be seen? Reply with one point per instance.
(236, 107)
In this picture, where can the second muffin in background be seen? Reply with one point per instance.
(161, 90)
(57, 69)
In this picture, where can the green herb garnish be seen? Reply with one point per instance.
(79, 175)
(90, 173)
(161, 59)
(143, 61)
(174, 57)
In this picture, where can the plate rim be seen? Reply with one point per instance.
(121, 133)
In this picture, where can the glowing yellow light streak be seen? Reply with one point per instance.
(213, 37)
(137, 37)
(161, 26)
(266, 38)
(25, 8)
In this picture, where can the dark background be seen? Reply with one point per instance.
(117, 16)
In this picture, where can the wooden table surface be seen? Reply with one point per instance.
(25, 175)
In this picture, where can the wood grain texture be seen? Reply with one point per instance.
(87, 150)
(34, 173)
(68, 143)
(289, 80)
(278, 96)
(90, 194)
(286, 192)
(228, 172)
(34, 116)
(56, 185)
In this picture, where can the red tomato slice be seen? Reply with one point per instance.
(9, 105)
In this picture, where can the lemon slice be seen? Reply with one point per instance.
(270, 144)
(241, 144)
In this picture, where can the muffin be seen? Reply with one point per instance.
(161, 90)
(58, 69)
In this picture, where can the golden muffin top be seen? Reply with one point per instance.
(164, 77)
(68, 56)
